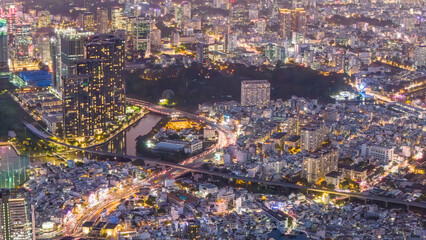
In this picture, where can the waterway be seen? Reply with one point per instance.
(125, 142)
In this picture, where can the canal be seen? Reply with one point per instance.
(125, 142)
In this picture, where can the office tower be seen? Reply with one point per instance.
(186, 10)
(255, 92)
(44, 19)
(11, 19)
(66, 49)
(22, 42)
(261, 26)
(13, 167)
(175, 38)
(141, 31)
(117, 18)
(44, 49)
(275, 52)
(88, 22)
(16, 215)
(292, 20)
(156, 37)
(319, 163)
(182, 12)
(313, 135)
(110, 49)
(202, 52)
(231, 42)
(102, 20)
(4, 46)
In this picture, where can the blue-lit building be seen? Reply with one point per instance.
(37, 78)
(13, 166)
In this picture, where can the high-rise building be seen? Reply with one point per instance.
(319, 163)
(16, 215)
(88, 21)
(202, 52)
(255, 92)
(117, 18)
(102, 20)
(193, 230)
(182, 12)
(156, 37)
(4, 46)
(275, 52)
(22, 43)
(77, 106)
(110, 49)
(292, 20)
(231, 42)
(11, 19)
(66, 49)
(141, 31)
(96, 95)
(44, 19)
(175, 38)
(312, 136)
(420, 55)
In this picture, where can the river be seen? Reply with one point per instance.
(125, 143)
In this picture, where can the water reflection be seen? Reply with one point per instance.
(125, 142)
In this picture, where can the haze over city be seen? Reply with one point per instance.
(216, 119)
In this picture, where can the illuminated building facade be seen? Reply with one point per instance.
(319, 163)
(312, 136)
(111, 50)
(66, 49)
(420, 55)
(292, 20)
(4, 46)
(102, 20)
(88, 21)
(77, 106)
(255, 92)
(140, 33)
(95, 96)
(22, 43)
(16, 215)
(117, 19)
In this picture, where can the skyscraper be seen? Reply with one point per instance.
(16, 215)
(67, 48)
(140, 35)
(88, 21)
(255, 92)
(77, 106)
(102, 20)
(96, 95)
(292, 20)
(4, 47)
(117, 22)
(110, 49)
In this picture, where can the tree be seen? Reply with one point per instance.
(330, 186)
(323, 184)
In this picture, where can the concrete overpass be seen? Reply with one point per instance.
(168, 111)
(386, 200)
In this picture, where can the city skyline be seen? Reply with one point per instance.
(217, 119)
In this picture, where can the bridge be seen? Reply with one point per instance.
(249, 179)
